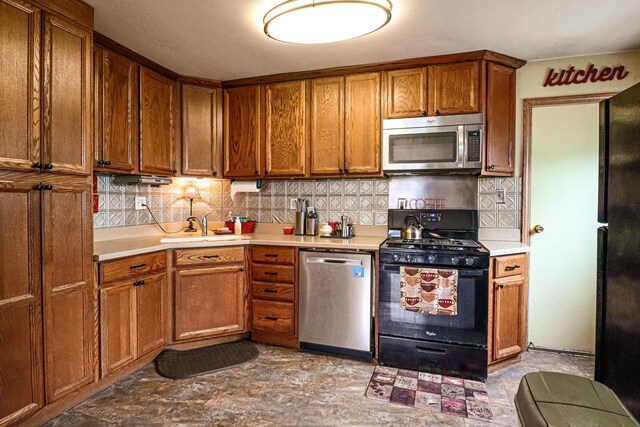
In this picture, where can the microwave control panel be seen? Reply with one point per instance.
(473, 146)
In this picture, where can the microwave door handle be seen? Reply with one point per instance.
(462, 139)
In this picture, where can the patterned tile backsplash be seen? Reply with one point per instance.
(494, 215)
(364, 201)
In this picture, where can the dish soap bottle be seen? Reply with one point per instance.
(237, 227)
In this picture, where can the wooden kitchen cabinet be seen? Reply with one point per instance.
(507, 308)
(133, 309)
(157, 123)
(405, 93)
(210, 293)
(242, 132)
(327, 126)
(67, 281)
(20, 86)
(500, 119)
(201, 131)
(274, 283)
(285, 138)
(362, 124)
(21, 371)
(116, 112)
(454, 88)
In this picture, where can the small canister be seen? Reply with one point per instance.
(311, 226)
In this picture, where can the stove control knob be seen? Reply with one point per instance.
(431, 259)
(408, 257)
(469, 261)
(454, 260)
(395, 257)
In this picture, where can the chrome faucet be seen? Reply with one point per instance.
(203, 223)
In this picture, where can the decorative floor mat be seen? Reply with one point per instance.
(178, 364)
(437, 393)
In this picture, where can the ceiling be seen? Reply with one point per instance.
(224, 40)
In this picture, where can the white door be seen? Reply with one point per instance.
(564, 201)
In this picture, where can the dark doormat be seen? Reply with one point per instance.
(177, 364)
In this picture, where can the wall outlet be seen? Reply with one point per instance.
(139, 202)
(501, 196)
(292, 204)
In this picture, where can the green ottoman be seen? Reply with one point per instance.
(552, 399)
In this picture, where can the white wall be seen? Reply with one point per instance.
(531, 77)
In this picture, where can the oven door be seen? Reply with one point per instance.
(468, 327)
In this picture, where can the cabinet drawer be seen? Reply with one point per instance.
(509, 265)
(272, 291)
(204, 256)
(273, 254)
(271, 316)
(273, 273)
(132, 266)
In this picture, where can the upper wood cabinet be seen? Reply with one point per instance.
(285, 140)
(116, 112)
(22, 384)
(327, 126)
(405, 92)
(157, 123)
(68, 297)
(201, 131)
(454, 88)
(242, 132)
(362, 124)
(19, 86)
(67, 101)
(500, 119)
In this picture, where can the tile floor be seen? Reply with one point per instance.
(287, 387)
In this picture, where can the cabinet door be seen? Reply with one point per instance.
(362, 124)
(285, 138)
(327, 126)
(406, 92)
(242, 132)
(20, 83)
(209, 302)
(509, 317)
(454, 88)
(500, 118)
(151, 301)
(157, 123)
(21, 382)
(201, 142)
(67, 97)
(116, 111)
(68, 296)
(117, 326)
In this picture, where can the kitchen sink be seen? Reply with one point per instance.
(202, 239)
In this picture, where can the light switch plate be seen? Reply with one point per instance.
(139, 202)
(501, 196)
(292, 203)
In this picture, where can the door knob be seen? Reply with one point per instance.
(538, 228)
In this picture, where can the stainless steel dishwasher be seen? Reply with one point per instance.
(335, 308)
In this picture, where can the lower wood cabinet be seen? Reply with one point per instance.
(210, 293)
(507, 307)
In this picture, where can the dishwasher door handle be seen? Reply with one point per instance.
(317, 260)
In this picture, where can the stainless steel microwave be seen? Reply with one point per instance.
(439, 144)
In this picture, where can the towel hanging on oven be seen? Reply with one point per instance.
(429, 290)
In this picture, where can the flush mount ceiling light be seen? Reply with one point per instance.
(325, 21)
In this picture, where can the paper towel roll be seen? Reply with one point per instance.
(245, 187)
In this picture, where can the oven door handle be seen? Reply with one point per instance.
(430, 350)
(466, 272)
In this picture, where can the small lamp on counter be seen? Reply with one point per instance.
(191, 193)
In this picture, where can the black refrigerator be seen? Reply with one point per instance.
(618, 297)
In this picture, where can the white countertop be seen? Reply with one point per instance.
(501, 247)
(119, 248)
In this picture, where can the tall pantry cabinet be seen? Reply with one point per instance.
(47, 296)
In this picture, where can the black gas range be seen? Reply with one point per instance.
(433, 298)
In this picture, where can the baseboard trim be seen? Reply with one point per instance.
(554, 350)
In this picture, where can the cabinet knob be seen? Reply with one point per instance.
(437, 112)
(255, 171)
(48, 187)
(48, 166)
(501, 285)
(174, 170)
(424, 113)
(266, 172)
(491, 167)
(107, 163)
(215, 173)
(341, 170)
(138, 283)
(38, 187)
(346, 170)
(101, 162)
(37, 165)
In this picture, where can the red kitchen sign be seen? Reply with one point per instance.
(572, 75)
